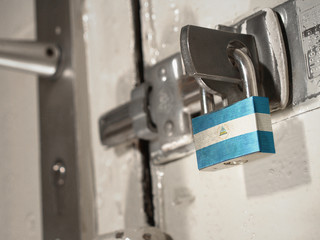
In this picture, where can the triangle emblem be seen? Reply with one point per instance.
(223, 131)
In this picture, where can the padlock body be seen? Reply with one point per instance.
(233, 135)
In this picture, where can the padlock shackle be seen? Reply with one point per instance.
(206, 101)
(240, 58)
(246, 68)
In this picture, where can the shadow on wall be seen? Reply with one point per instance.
(134, 215)
(123, 94)
(288, 168)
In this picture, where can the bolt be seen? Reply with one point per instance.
(59, 172)
(162, 74)
(168, 127)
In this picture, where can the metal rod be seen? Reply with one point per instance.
(247, 72)
(206, 100)
(116, 126)
(190, 91)
(28, 56)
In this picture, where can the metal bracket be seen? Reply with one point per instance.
(205, 55)
(159, 112)
(265, 27)
(174, 139)
(204, 52)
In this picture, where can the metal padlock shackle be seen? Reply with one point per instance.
(239, 57)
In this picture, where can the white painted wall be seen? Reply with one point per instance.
(20, 199)
(111, 76)
(272, 198)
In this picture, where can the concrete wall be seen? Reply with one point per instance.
(111, 76)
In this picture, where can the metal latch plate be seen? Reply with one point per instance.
(273, 66)
(174, 139)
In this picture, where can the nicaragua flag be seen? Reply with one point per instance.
(229, 136)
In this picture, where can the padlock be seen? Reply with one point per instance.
(237, 133)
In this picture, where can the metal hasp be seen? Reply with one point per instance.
(66, 171)
(159, 111)
(265, 27)
(168, 111)
(204, 52)
(161, 107)
(300, 21)
(33, 57)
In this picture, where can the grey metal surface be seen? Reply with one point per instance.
(173, 123)
(189, 89)
(159, 111)
(273, 66)
(116, 126)
(245, 66)
(267, 51)
(66, 174)
(34, 57)
(273, 81)
(140, 112)
(207, 101)
(239, 57)
(129, 121)
(309, 20)
(205, 57)
(289, 21)
(300, 21)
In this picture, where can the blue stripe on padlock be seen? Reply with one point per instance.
(242, 145)
(235, 140)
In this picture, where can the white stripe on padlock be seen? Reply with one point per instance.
(250, 123)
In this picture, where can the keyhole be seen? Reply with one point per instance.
(49, 52)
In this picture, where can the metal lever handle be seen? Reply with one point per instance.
(33, 57)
